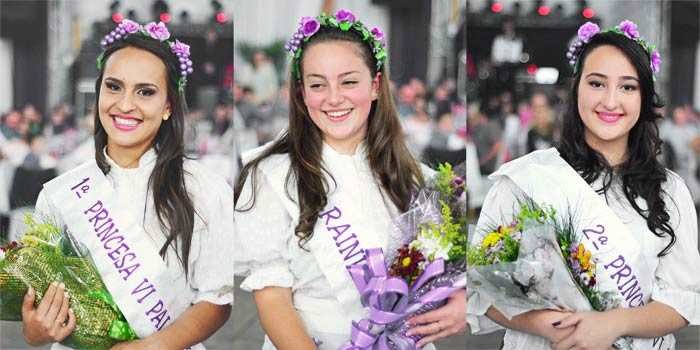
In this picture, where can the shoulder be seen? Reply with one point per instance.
(199, 178)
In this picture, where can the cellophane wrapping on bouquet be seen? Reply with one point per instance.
(47, 253)
(535, 261)
(425, 265)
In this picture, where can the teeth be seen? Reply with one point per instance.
(338, 113)
(127, 122)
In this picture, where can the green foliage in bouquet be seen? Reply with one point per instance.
(445, 239)
(46, 254)
(502, 243)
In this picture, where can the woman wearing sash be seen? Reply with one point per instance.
(156, 224)
(309, 202)
(608, 154)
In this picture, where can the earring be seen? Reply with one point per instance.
(166, 116)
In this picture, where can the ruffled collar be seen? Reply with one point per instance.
(146, 162)
(330, 153)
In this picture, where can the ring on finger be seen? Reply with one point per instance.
(437, 323)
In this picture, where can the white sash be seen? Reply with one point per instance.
(621, 268)
(129, 264)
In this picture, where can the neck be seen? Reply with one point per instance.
(614, 152)
(346, 146)
(125, 157)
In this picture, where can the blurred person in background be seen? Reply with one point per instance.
(542, 134)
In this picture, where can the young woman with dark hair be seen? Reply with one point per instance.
(308, 202)
(610, 138)
(164, 221)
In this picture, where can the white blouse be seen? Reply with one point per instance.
(210, 265)
(676, 283)
(267, 250)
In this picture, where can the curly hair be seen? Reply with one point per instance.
(641, 173)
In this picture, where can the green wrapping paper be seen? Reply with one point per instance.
(46, 254)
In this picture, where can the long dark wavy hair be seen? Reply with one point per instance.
(394, 168)
(641, 173)
(173, 204)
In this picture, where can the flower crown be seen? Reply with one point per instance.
(343, 20)
(156, 31)
(627, 28)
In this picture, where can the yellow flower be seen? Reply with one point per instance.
(584, 257)
(491, 239)
(406, 261)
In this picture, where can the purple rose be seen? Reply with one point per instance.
(587, 31)
(629, 29)
(655, 62)
(130, 26)
(309, 26)
(377, 33)
(344, 15)
(180, 48)
(157, 31)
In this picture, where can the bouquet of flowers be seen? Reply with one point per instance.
(45, 254)
(418, 276)
(537, 262)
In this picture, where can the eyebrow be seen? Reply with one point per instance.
(624, 77)
(323, 77)
(139, 85)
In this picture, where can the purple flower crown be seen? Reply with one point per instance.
(157, 31)
(343, 20)
(627, 28)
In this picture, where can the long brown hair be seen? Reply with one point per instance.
(393, 166)
(172, 202)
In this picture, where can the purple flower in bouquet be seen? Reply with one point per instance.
(157, 31)
(377, 33)
(655, 62)
(344, 15)
(629, 28)
(309, 26)
(587, 31)
(180, 48)
(130, 26)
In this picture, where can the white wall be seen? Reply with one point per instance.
(5, 75)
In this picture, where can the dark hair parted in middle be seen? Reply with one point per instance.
(393, 166)
(641, 173)
(174, 207)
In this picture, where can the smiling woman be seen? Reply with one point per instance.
(610, 143)
(344, 148)
(171, 217)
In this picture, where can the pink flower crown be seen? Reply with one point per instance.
(343, 20)
(627, 28)
(157, 31)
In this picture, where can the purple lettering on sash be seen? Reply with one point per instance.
(632, 293)
(159, 318)
(158, 307)
(145, 288)
(95, 208)
(120, 239)
(354, 250)
(114, 254)
(101, 215)
(339, 230)
(348, 245)
(125, 261)
(329, 214)
(127, 271)
(99, 229)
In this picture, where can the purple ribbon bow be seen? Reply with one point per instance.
(389, 301)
